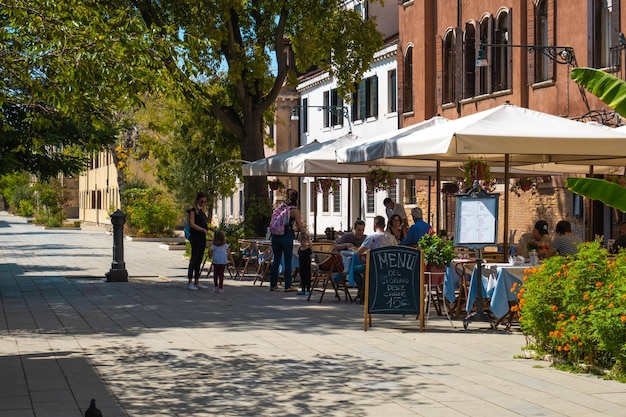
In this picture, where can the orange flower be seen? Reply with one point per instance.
(611, 286)
(554, 308)
(623, 319)
(573, 318)
(558, 274)
(583, 309)
(586, 297)
(574, 338)
(598, 284)
(590, 307)
(561, 315)
(580, 343)
(566, 347)
(611, 305)
(560, 348)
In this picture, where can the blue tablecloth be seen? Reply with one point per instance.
(499, 292)
(451, 282)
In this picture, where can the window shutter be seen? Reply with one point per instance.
(362, 100)
(551, 40)
(532, 39)
(615, 26)
(458, 65)
(509, 57)
(375, 96)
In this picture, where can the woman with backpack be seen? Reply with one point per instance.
(199, 225)
(282, 244)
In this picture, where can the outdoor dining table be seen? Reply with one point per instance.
(499, 289)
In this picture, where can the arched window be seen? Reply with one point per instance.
(484, 75)
(543, 71)
(407, 91)
(469, 67)
(501, 56)
(601, 33)
(448, 69)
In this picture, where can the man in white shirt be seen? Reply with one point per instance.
(378, 239)
(392, 208)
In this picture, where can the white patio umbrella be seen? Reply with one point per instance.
(505, 135)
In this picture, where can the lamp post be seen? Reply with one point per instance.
(336, 110)
(560, 54)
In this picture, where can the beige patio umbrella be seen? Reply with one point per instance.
(505, 135)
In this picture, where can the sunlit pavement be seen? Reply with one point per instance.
(150, 347)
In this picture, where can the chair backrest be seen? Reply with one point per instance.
(322, 247)
(265, 252)
(328, 262)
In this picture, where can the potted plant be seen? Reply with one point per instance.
(437, 252)
(521, 185)
(478, 169)
(379, 179)
(324, 185)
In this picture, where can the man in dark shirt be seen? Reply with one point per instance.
(351, 239)
(620, 242)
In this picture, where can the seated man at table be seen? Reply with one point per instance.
(564, 243)
(352, 239)
(539, 238)
(380, 238)
(419, 229)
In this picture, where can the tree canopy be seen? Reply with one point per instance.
(82, 61)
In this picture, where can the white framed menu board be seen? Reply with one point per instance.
(476, 222)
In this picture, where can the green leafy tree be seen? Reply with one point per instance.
(189, 149)
(67, 67)
(230, 59)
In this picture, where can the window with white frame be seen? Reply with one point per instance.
(365, 99)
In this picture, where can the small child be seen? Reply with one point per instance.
(304, 258)
(221, 256)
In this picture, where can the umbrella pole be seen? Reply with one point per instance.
(349, 225)
(314, 193)
(505, 246)
(429, 199)
(438, 194)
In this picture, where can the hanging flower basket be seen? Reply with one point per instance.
(325, 185)
(379, 179)
(450, 188)
(522, 185)
(276, 185)
(478, 169)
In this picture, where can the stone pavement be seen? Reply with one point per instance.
(150, 347)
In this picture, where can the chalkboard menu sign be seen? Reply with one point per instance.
(394, 282)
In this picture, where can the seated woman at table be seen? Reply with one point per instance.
(564, 243)
(396, 227)
(352, 239)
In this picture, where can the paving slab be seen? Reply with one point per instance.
(149, 347)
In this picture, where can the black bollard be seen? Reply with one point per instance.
(118, 271)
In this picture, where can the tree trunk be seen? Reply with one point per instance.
(255, 188)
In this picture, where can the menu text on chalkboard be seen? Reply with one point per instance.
(394, 281)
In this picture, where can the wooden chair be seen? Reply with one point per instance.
(463, 270)
(329, 265)
(322, 247)
(250, 255)
(265, 264)
(434, 293)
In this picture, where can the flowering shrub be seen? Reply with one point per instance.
(524, 184)
(324, 185)
(477, 169)
(379, 179)
(575, 308)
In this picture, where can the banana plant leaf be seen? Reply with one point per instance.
(610, 193)
(611, 90)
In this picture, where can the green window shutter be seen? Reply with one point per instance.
(362, 100)
(375, 96)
